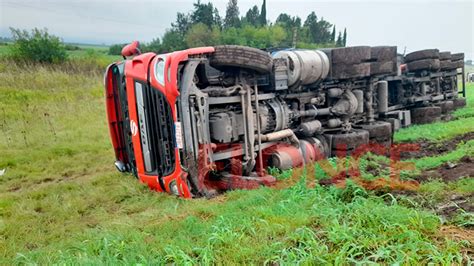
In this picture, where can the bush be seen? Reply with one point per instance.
(37, 46)
(116, 49)
(71, 47)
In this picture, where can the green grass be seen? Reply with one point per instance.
(463, 149)
(87, 54)
(439, 189)
(4, 49)
(443, 130)
(61, 200)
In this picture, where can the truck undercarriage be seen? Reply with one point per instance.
(209, 119)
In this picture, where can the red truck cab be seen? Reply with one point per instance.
(141, 95)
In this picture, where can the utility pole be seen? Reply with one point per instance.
(295, 38)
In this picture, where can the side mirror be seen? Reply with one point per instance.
(131, 49)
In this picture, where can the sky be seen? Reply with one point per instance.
(410, 25)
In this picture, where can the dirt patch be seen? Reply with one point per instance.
(14, 188)
(455, 205)
(428, 148)
(449, 172)
(460, 234)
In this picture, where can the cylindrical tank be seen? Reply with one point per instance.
(314, 65)
(382, 95)
(286, 157)
(307, 150)
(307, 66)
(309, 128)
(320, 147)
(310, 150)
(293, 65)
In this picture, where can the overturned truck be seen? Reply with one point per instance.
(203, 120)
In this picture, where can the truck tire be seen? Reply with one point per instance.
(459, 103)
(422, 54)
(241, 57)
(347, 142)
(446, 106)
(350, 55)
(345, 71)
(379, 132)
(423, 64)
(383, 53)
(458, 56)
(457, 64)
(378, 129)
(446, 65)
(445, 56)
(385, 67)
(425, 115)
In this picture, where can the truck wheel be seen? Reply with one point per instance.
(383, 53)
(425, 115)
(379, 132)
(457, 64)
(446, 65)
(347, 142)
(459, 102)
(386, 67)
(343, 71)
(423, 64)
(445, 56)
(241, 57)
(350, 55)
(458, 56)
(446, 106)
(422, 54)
(378, 129)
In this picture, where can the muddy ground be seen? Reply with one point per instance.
(428, 148)
(450, 171)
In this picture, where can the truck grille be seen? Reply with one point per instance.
(156, 131)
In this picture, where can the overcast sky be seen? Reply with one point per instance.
(411, 25)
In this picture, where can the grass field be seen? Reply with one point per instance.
(85, 51)
(61, 200)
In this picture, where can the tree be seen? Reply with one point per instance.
(318, 31)
(339, 40)
(253, 16)
(37, 46)
(310, 19)
(232, 15)
(182, 24)
(323, 33)
(292, 27)
(344, 38)
(200, 35)
(172, 41)
(333, 34)
(116, 49)
(203, 13)
(263, 14)
(204, 26)
(153, 46)
(217, 18)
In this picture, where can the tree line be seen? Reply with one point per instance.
(203, 26)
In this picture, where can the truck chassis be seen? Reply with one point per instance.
(204, 120)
